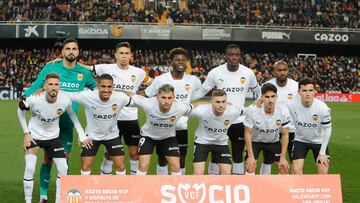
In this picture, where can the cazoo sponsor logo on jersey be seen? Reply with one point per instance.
(199, 192)
(69, 85)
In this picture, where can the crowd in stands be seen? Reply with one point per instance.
(307, 13)
(332, 73)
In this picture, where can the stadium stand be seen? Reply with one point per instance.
(332, 73)
(305, 14)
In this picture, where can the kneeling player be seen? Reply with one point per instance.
(312, 121)
(43, 131)
(211, 134)
(162, 113)
(262, 126)
(102, 108)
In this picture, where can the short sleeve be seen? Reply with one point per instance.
(143, 102)
(249, 121)
(196, 112)
(253, 82)
(151, 91)
(285, 117)
(100, 69)
(325, 116)
(209, 83)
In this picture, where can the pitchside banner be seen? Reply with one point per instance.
(336, 97)
(177, 32)
(202, 189)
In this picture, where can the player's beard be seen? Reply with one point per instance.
(53, 93)
(51, 96)
(282, 79)
(71, 58)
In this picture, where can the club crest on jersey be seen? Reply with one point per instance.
(315, 117)
(80, 76)
(59, 112)
(114, 107)
(173, 119)
(278, 123)
(242, 80)
(133, 78)
(290, 96)
(73, 195)
(187, 87)
(226, 122)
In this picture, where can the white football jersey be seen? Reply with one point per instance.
(236, 84)
(159, 125)
(266, 128)
(286, 95)
(213, 129)
(183, 90)
(309, 121)
(101, 117)
(44, 121)
(124, 79)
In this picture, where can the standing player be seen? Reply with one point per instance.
(43, 131)
(162, 114)
(184, 86)
(210, 135)
(287, 91)
(262, 127)
(236, 80)
(129, 78)
(312, 121)
(73, 78)
(102, 108)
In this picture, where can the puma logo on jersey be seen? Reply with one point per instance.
(233, 89)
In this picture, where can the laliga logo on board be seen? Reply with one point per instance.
(199, 193)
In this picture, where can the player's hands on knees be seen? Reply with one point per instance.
(250, 164)
(27, 140)
(87, 143)
(284, 164)
(323, 160)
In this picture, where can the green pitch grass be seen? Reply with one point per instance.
(344, 149)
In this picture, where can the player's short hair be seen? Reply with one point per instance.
(52, 75)
(280, 62)
(166, 88)
(306, 81)
(123, 44)
(105, 76)
(268, 87)
(177, 51)
(218, 93)
(231, 46)
(70, 40)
